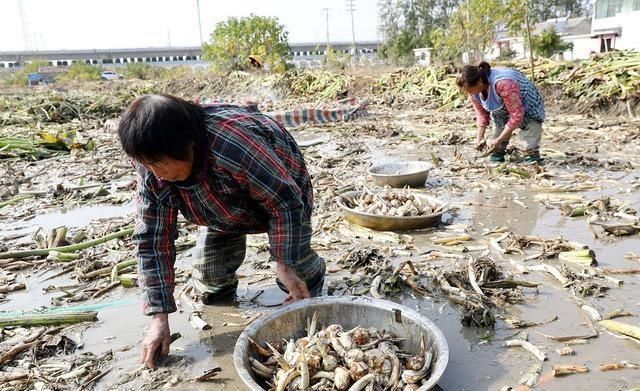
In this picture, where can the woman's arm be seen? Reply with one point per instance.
(509, 91)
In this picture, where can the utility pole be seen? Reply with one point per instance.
(351, 8)
(199, 20)
(26, 36)
(326, 12)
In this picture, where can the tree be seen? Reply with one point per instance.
(233, 41)
(408, 24)
(452, 27)
(473, 28)
(549, 42)
(446, 47)
(549, 9)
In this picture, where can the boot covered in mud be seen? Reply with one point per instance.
(532, 157)
(497, 157)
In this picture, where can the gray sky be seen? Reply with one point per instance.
(86, 24)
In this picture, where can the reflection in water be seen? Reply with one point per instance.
(522, 220)
(76, 217)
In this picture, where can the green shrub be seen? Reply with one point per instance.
(506, 55)
(142, 71)
(549, 43)
(178, 72)
(336, 60)
(82, 72)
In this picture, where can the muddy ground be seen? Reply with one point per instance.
(585, 156)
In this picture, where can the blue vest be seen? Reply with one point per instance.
(531, 98)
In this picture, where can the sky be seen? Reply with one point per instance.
(92, 24)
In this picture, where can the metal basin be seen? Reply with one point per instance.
(401, 174)
(348, 311)
(390, 223)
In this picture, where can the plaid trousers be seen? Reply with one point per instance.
(218, 256)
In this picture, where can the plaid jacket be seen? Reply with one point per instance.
(250, 178)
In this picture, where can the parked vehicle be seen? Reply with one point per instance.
(33, 79)
(111, 75)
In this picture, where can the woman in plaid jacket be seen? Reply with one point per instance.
(231, 170)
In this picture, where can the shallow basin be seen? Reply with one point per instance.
(401, 174)
(390, 223)
(348, 311)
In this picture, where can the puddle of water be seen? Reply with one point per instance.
(121, 328)
(490, 365)
(76, 217)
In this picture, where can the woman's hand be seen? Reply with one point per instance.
(503, 138)
(296, 287)
(156, 341)
(495, 143)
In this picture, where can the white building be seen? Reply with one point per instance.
(422, 56)
(505, 43)
(574, 30)
(615, 24)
